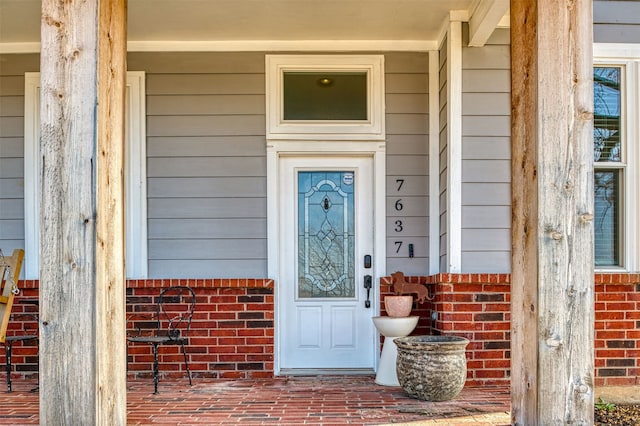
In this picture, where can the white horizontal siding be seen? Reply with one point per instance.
(205, 84)
(486, 81)
(406, 145)
(206, 154)
(206, 125)
(398, 252)
(160, 105)
(487, 125)
(12, 106)
(413, 206)
(202, 208)
(12, 147)
(486, 194)
(483, 104)
(616, 21)
(11, 168)
(206, 157)
(207, 249)
(196, 229)
(204, 268)
(486, 261)
(12, 188)
(206, 167)
(407, 83)
(11, 127)
(11, 229)
(197, 62)
(205, 146)
(486, 163)
(11, 85)
(11, 208)
(486, 148)
(407, 103)
(408, 165)
(220, 187)
(407, 127)
(486, 217)
(486, 239)
(486, 170)
(12, 68)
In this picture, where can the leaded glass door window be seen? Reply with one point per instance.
(326, 234)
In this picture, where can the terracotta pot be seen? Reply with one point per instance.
(398, 306)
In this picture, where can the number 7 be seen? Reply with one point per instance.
(398, 246)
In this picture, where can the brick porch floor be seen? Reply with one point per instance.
(323, 400)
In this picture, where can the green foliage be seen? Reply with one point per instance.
(603, 405)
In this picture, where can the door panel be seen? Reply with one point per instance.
(326, 223)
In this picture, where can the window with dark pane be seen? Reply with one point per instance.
(325, 96)
(607, 217)
(606, 126)
(609, 165)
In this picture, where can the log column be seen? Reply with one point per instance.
(82, 283)
(552, 302)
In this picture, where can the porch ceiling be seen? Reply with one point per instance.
(199, 21)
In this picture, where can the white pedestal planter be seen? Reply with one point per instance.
(391, 328)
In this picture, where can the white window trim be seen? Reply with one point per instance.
(278, 128)
(136, 183)
(454, 146)
(627, 57)
(434, 162)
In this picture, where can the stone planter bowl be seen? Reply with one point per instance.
(432, 368)
(398, 306)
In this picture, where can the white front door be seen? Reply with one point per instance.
(326, 223)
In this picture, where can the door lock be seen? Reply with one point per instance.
(368, 284)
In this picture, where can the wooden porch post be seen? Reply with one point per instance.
(552, 301)
(82, 285)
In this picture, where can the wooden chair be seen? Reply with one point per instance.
(10, 267)
(169, 325)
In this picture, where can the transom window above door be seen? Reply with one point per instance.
(325, 97)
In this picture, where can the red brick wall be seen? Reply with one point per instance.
(24, 354)
(421, 309)
(232, 333)
(477, 307)
(617, 329)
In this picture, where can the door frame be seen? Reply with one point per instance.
(276, 150)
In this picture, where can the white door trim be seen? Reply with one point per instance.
(278, 149)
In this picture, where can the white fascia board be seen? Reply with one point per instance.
(485, 19)
(282, 45)
(255, 46)
(19, 48)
